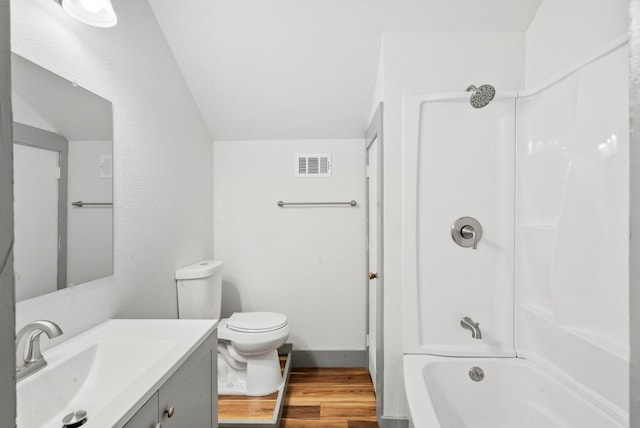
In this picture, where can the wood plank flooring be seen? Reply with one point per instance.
(249, 409)
(329, 398)
(315, 398)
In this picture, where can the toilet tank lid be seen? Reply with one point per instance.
(203, 269)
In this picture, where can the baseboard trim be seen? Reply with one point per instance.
(393, 422)
(349, 358)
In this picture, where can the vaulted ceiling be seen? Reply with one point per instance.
(293, 69)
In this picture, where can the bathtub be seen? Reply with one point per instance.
(514, 393)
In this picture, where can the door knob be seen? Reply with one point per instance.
(373, 275)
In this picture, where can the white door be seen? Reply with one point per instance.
(372, 247)
(375, 246)
(36, 220)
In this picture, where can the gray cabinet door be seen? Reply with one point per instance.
(147, 416)
(186, 399)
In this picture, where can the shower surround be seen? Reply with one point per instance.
(545, 171)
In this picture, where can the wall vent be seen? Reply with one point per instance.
(313, 165)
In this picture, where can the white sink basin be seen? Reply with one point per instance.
(109, 371)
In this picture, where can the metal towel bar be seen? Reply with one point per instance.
(81, 204)
(350, 203)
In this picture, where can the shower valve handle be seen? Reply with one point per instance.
(466, 232)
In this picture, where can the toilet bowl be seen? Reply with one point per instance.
(248, 362)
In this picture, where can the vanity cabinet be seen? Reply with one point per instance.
(189, 398)
(147, 416)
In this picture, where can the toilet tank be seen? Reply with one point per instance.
(199, 288)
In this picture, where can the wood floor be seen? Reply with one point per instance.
(315, 398)
(330, 398)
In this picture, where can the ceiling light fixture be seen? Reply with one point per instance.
(98, 13)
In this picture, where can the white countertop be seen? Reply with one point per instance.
(110, 371)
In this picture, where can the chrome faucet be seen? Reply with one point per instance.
(30, 359)
(468, 323)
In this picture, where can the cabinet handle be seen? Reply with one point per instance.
(169, 412)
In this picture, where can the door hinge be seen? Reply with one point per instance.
(58, 173)
(366, 340)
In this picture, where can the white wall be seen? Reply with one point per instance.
(378, 89)
(162, 158)
(24, 113)
(306, 262)
(458, 162)
(565, 31)
(634, 96)
(89, 229)
(422, 64)
(573, 176)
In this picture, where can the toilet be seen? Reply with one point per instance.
(248, 342)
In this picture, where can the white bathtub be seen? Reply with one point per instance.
(515, 393)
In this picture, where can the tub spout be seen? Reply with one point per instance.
(468, 323)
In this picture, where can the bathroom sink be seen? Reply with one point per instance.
(108, 371)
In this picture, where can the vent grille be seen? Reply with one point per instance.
(302, 165)
(313, 165)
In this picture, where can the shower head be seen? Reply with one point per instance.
(481, 96)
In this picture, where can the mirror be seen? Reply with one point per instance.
(63, 182)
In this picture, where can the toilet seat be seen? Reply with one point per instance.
(254, 333)
(256, 322)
